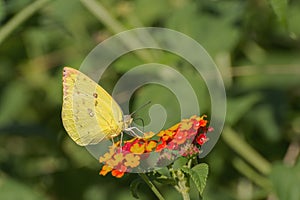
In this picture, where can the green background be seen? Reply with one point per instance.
(255, 44)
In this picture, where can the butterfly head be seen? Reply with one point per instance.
(127, 121)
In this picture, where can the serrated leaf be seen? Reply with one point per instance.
(186, 169)
(134, 187)
(179, 163)
(199, 175)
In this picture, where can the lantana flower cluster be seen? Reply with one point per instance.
(183, 139)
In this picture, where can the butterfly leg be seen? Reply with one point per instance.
(113, 142)
(135, 128)
(131, 130)
(121, 140)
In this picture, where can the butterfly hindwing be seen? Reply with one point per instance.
(89, 113)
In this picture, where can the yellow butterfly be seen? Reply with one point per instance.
(89, 113)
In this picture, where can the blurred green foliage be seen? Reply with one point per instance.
(255, 44)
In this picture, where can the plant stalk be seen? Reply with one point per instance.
(182, 187)
(152, 186)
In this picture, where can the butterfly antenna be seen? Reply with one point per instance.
(142, 122)
(140, 108)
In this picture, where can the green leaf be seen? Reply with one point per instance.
(286, 181)
(199, 175)
(179, 163)
(163, 176)
(166, 181)
(134, 187)
(280, 8)
(164, 171)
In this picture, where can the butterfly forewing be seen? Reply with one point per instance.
(89, 113)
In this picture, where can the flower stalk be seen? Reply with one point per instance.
(151, 185)
(182, 185)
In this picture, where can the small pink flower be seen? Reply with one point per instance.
(201, 139)
(180, 137)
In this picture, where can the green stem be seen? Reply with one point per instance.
(185, 196)
(152, 186)
(19, 18)
(246, 151)
(182, 187)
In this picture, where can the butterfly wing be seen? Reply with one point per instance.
(89, 113)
